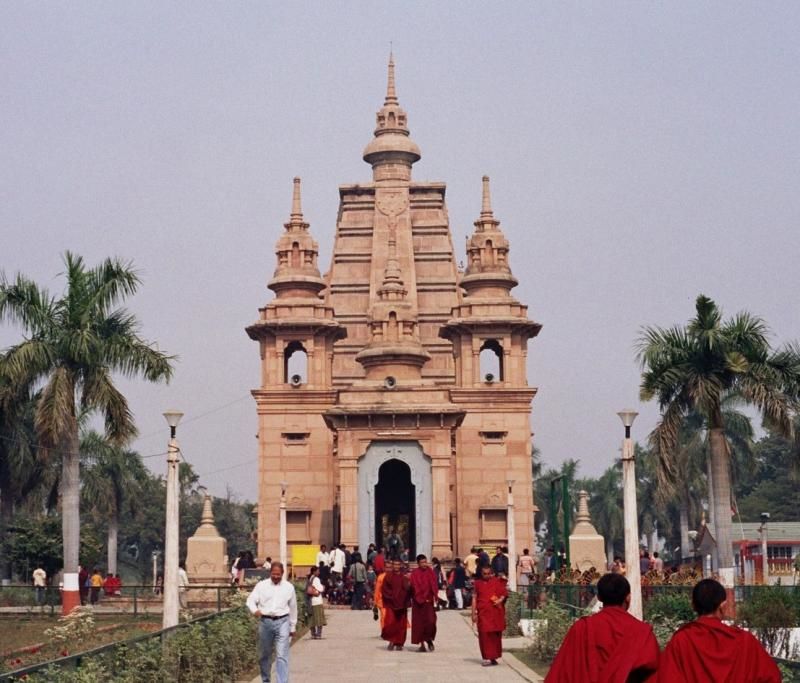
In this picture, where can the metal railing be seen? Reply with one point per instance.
(131, 600)
(578, 598)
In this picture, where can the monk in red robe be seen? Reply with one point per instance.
(708, 650)
(489, 612)
(608, 647)
(396, 592)
(424, 591)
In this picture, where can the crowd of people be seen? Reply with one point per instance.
(385, 582)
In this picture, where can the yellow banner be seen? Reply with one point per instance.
(304, 555)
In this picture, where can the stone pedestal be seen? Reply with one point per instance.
(207, 556)
(586, 546)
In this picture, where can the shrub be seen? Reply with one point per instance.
(769, 615)
(513, 611)
(554, 623)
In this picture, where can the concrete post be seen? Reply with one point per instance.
(512, 539)
(282, 530)
(171, 604)
(630, 517)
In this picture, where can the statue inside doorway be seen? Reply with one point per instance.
(393, 540)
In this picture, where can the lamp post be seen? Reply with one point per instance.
(512, 538)
(282, 523)
(171, 604)
(631, 522)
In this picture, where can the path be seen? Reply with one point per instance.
(352, 650)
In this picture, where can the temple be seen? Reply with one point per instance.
(393, 396)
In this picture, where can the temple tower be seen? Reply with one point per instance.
(403, 432)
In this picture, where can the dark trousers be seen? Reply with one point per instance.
(358, 595)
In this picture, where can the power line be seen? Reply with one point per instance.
(200, 416)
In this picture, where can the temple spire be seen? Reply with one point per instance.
(391, 93)
(297, 209)
(486, 205)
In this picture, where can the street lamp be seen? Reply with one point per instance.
(284, 486)
(512, 538)
(630, 515)
(171, 604)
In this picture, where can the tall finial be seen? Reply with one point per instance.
(486, 205)
(391, 93)
(297, 210)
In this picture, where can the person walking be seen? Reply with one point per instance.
(96, 583)
(396, 591)
(323, 555)
(500, 562)
(379, 593)
(183, 585)
(526, 567)
(489, 614)
(337, 563)
(274, 603)
(314, 590)
(40, 583)
(424, 591)
(459, 576)
(358, 574)
(471, 563)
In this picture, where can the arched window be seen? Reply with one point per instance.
(295, 363)
(296, 255)
(491, 361)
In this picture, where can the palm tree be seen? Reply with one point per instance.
(20, 470)
(73, 344)
(693, 368)
(112, 478)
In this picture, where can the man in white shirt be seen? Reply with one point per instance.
(323, 556)
(183, 585)
(40, 583)
(274, 602)
(338, 561)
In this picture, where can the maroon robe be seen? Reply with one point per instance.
(708, 650)
(491, 617)
(608, 647)
(424, 591)
(396, 592)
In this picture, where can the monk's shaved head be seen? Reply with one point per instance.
(707, 596)
(612, 589)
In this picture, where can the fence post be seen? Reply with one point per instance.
(135, 602)
(219, 599)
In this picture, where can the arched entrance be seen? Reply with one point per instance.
(394, 478)
(395, 525)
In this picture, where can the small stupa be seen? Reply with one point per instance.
(207, 551)
(586, 546)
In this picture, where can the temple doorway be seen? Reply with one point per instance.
(395, 526)
(395, 490)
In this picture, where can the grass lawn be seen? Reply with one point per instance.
(527, 659)
(19, 631)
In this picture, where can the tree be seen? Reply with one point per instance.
(605, 506)
(73, 344)
(112, 478)
(693, 368)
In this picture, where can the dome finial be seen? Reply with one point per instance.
(486, 204)
(391, 93)
(297, 210)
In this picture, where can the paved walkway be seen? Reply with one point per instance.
(351, 650)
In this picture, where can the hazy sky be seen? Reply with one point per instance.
(640, 153)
